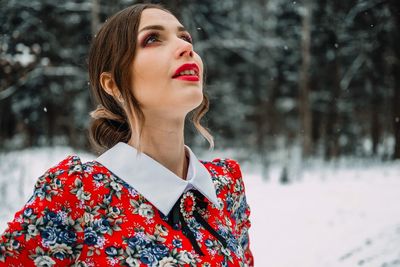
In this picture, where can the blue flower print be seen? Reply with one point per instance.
(137, 240)
(177, 243)
(160, 251)
(111, 251)
(28, 212)
(15, 244)
(53, 217)
(49, 235)
(67, 236)
(98, 177)
(90, 236)
(209, 243)
(101, 225)
(147, 257)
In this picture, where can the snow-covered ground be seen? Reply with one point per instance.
(349, 218)
(342, 216)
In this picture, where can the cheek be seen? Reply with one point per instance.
(147, 66)
(149, 83)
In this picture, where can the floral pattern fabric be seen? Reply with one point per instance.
(81, 214)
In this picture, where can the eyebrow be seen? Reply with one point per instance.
(161, 28)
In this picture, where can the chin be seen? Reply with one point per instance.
(192, 105)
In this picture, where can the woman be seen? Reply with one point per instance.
(146, 200)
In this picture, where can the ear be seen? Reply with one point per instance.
(108, 84)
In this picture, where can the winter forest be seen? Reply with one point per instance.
(304, 94)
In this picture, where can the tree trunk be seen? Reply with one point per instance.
(304, 101)
(51, 123)
(371, 85)
(332, 149)
(7, 121)
(396, 107)
(395, 9)
(95, 16)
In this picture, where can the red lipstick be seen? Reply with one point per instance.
(193, 77)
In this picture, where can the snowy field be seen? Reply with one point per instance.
(344, 216)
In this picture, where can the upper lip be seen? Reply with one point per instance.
(187, 66)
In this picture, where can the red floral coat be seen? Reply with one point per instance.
(82, 215)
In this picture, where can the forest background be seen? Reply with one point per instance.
(304, 94)
(310, 79)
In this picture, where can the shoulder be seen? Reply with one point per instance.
(72, 164)
(50, 224)
(225, 166)
(69, 166)
(225, 173)
(232, 166)
(88, 183)
(59, 179)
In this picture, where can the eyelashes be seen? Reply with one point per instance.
(152, 36)
(155, 37)
(188, 38)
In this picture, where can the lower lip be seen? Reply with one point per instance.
(190, 78)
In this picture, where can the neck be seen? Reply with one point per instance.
(165, 143)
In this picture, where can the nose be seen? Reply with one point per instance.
(184, 49)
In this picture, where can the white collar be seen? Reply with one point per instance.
(155, 182)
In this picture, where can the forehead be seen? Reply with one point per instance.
(153, 16)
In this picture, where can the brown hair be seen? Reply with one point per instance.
(112, 50)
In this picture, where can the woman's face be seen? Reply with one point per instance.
(160, 51)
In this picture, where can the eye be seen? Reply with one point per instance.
(152, 37)
(187, 37)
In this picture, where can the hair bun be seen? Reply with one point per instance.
(107, 129)
(102, 113)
